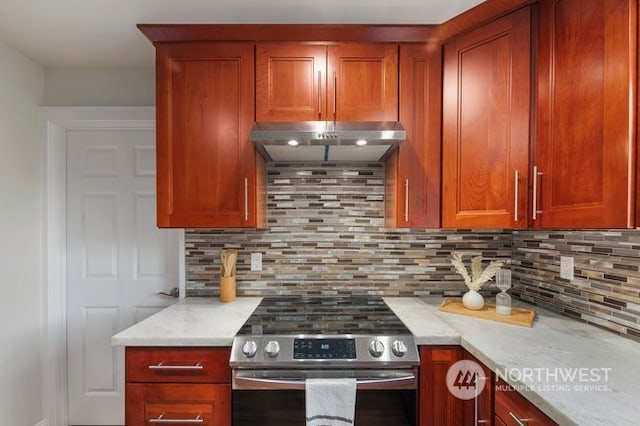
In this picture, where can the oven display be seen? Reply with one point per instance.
(324, 349)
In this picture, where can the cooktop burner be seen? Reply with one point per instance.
(323, 315)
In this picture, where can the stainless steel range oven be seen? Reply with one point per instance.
(287, 340)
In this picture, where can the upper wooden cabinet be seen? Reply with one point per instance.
(413, 171)
(348, 82)
(209, 174)
(585, 123)
(486, 98)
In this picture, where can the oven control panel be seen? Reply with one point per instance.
(319, 351)
(318, 348)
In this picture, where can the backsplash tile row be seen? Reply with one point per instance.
(326, 236)
(605, 290)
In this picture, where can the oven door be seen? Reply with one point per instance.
(276, 397)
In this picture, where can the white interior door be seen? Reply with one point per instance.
(117, 262)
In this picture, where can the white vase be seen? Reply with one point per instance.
(472, 300)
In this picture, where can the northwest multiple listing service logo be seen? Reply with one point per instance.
(466, 379)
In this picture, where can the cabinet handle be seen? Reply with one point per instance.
(519, 421)
(246, 199)
(335, 94)
(319, 95)
(406, 200)
(161, 419)
(161, 366)
(535, 211)
(516, 182)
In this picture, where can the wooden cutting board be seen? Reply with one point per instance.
(519, 316)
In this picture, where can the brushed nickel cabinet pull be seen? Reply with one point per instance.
(246, 199)
(406, 200)
(319, 95)
(335, 94)
(161, 419)
(519, 421)
(161, 366)
(535, 210)
(516, 182)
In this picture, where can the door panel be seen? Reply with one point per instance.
(205, 109)
(585, 120)
(365, 87)
(486, 125)
(291, 82)
(117, 262)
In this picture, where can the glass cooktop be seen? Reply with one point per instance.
(323, 315)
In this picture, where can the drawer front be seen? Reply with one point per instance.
(511, 407)
(178, 365)
(176, 404)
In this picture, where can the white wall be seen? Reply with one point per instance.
(99, 87)
(21, 217)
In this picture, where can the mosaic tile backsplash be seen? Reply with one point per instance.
(605, 290)
(326, 236)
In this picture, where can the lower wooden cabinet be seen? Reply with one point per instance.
(177, 385)
(479, 410)
(184, 403)
(436, 405)
(513, 409)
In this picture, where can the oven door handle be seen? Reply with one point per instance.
(251, 381)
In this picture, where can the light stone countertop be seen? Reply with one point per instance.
(194, 321)
(533, 357)
(554, 345)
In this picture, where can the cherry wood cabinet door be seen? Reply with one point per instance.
(436, 405)
(479, 410)
(291, 82)
(513, 409)
(585, 121)
(413, 171)
(486, 108)
(363, 82)
(206, 165)
(203, 404)
(178, 364)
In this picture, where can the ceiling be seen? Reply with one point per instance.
(103, 33)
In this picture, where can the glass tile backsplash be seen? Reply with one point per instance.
(326, 236)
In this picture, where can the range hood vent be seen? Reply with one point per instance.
(326, 140)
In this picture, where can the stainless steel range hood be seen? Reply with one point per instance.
(326, 140)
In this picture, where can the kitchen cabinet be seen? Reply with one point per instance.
(436, 405)
(208, 172)
(512, 409)
(585, 124)
(479, 410)
(177, 385)
(412, 183)
(485, 125)
(343, 81)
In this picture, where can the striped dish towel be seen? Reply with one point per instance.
(330, 402)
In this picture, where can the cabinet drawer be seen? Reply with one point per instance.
(510, 406)
(202, 404)
(178, 365)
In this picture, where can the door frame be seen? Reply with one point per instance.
(55, 122)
